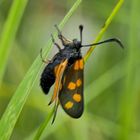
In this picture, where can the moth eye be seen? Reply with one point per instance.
(69, 105)
(77, 97)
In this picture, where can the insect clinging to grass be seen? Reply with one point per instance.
(66, 72)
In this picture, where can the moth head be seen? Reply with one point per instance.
(77, 43)
(98, 43)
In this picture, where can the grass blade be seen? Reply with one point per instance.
(18, 100)
(131, 87)
(9, 31)
(104, 28)
(43, 125)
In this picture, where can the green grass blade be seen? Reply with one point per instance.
(43, 125)
(18, 100)
(104, 28)
(131, 86)
(9, 31)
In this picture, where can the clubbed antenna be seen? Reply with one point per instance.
(81, 29)
(106, 41)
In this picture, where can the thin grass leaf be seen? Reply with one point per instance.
(9, 31)
(104, 28)
(43, 125)
(19, 98)
(131, 86)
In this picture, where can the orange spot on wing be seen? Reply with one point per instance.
(77, 97)
(78, 82)
(69, 105)
(76, 65)
(71, 86)
(81, 63)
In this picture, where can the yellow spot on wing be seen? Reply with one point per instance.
(81, 64)
(78, 82)
(71, 86)
(77, 97)
(76, 65)
(69, 105)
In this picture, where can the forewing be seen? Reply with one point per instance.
(58, 70)
(71, 89)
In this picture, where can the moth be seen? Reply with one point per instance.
(66, 72)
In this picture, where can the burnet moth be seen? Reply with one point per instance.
(66, 72)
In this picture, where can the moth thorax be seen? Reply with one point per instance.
(77, 43)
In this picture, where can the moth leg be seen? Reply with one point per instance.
(62, 38)
(53, 40)
(59, 74)
(55, 110)
(43, 60)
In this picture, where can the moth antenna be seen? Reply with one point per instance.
(106, 41)
(53, 40)
(55, 112)
(81, 30)
(41, 56)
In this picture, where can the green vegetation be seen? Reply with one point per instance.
(111, 74)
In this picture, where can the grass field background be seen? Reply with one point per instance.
(112, 74)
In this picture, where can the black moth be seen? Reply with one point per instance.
(66, 70)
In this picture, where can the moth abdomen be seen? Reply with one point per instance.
(47, 79)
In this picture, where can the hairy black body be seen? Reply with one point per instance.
(70, 52)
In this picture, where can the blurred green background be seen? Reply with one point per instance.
(111, 74)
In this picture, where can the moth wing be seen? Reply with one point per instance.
(59, 70)
(71, 92)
